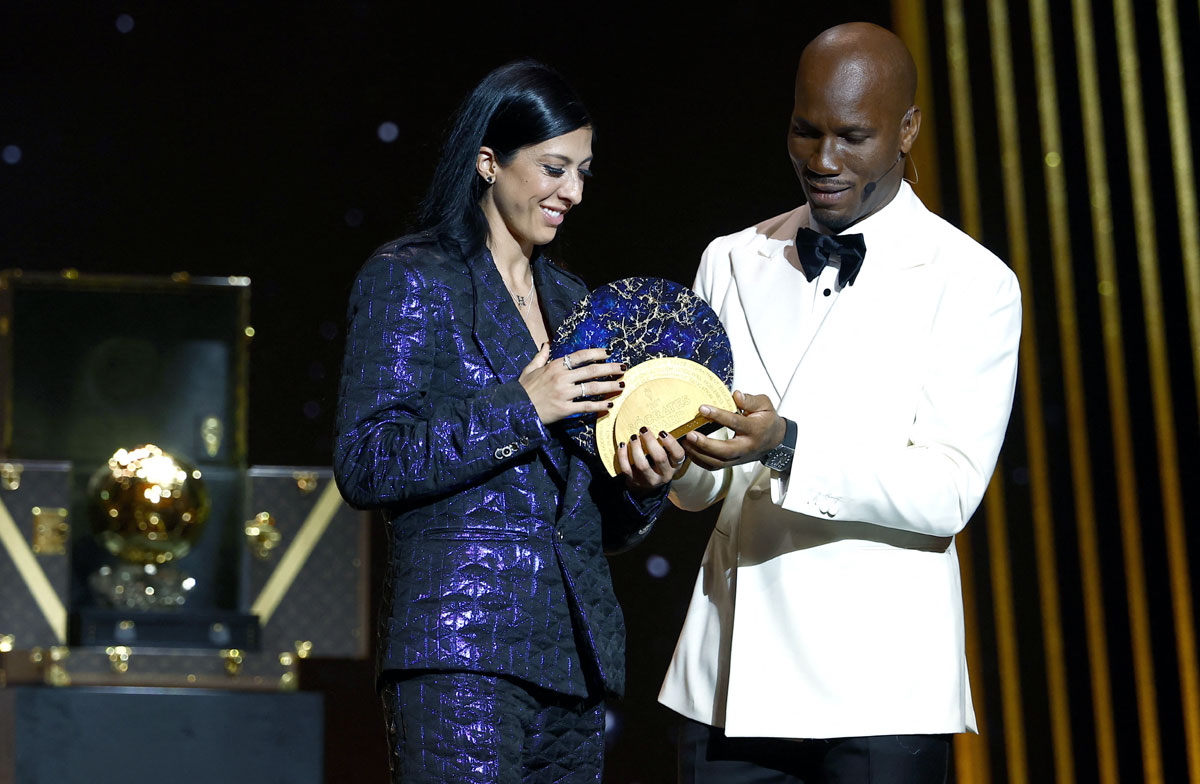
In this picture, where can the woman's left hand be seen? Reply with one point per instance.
(648, 461)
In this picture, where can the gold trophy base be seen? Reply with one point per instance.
(141, 586)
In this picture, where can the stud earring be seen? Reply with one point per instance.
(491, 178)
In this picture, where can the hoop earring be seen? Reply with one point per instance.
(916, 175)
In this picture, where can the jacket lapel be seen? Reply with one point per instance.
(557, 302)
(499, 330)
(503, 337)
(761, 269)
(555, 292)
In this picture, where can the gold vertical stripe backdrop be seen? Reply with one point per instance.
(958, 69)
(1185, 196)
(1074, 393)
(972, 766)
(1114, 360)
(1185, 182)
(909, 21)
(1031, 387)
(1156, 342)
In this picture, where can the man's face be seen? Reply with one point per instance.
(845, 140)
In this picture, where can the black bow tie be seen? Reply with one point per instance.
(815, 249)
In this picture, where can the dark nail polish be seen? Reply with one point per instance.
(624, 366)
(662, 434)
(621, 445)
(610, 404)
(644, 430)
(621, 384)
(633, 437)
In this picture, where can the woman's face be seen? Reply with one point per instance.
(534, 191)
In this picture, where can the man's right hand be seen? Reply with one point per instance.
(756, 430)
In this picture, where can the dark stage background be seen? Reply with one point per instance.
(285, 142)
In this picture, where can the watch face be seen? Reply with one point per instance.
(778, 459)
(638, 319)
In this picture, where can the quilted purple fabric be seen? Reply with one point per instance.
(498, 525)
(478, 729)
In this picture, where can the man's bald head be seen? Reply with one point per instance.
(854, 121)
(869, 52)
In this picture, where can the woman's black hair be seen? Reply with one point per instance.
(516, 105)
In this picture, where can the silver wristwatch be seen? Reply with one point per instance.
(780, 458)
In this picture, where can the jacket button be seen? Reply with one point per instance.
(499, 454)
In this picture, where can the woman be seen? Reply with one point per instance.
(500, 633)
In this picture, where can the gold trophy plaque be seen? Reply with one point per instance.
(662, 394)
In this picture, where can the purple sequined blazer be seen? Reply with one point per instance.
(497, 524)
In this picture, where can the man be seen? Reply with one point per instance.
(824, 640)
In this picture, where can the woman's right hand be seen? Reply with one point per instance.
(555, 386)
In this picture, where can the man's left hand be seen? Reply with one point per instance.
(756, 430)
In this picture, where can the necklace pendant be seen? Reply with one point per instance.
(520, 300)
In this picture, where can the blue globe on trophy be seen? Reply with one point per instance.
(640, 319)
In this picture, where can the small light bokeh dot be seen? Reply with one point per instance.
(388, 131)
(12, 154)
(658, 567)
(124, 23)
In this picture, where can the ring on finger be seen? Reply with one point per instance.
(583, 388)
(567, 363)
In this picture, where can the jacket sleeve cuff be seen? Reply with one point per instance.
(635, 521)
(525, 431)
(648, 507)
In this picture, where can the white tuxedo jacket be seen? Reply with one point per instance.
(828, 602)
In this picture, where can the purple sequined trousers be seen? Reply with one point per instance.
(497, 525)
(466, 728)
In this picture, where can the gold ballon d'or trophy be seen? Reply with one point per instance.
(148, 509)
(661, 394)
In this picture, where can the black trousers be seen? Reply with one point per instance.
(707, 756)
